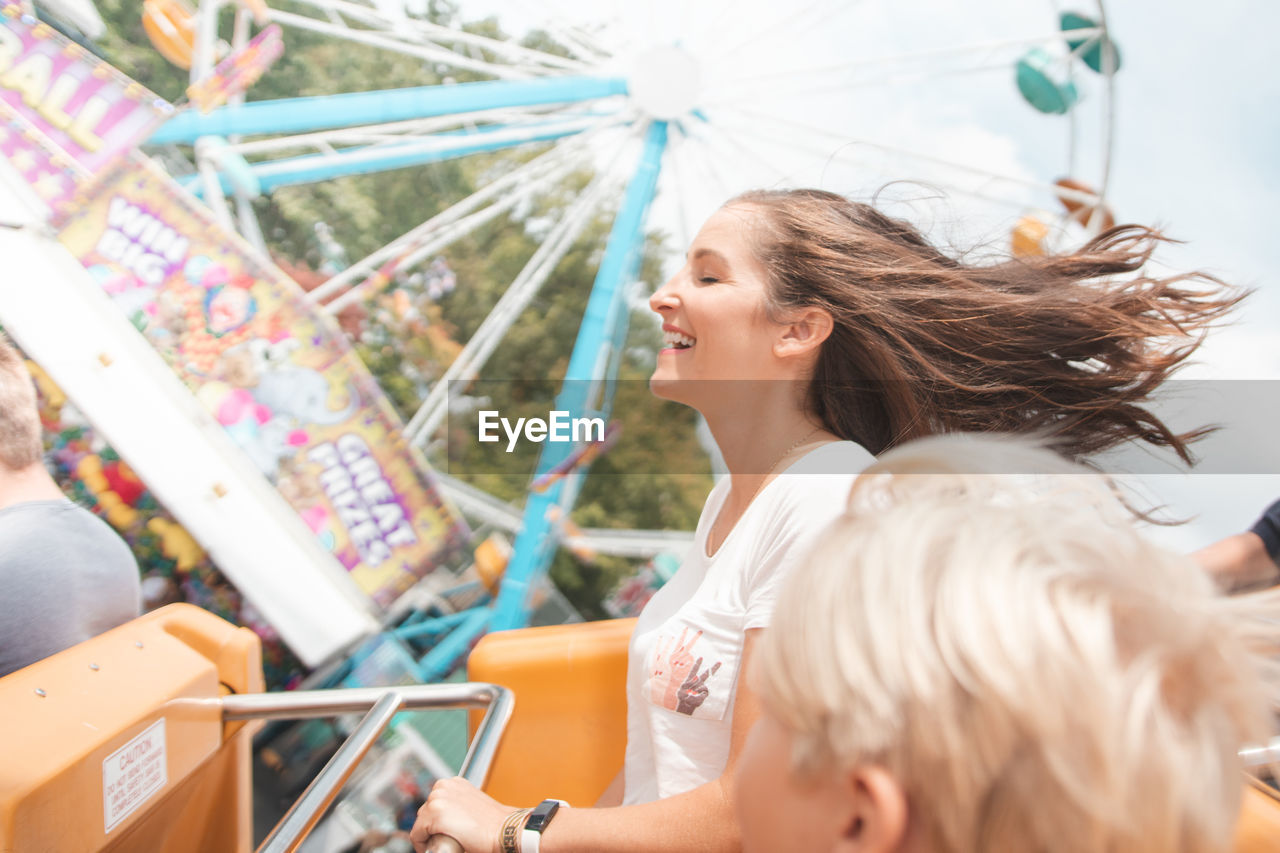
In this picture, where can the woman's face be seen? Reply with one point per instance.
(713, 313)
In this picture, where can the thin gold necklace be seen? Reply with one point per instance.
(711, 535)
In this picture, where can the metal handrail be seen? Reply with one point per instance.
(1267, 754)
(381, 704)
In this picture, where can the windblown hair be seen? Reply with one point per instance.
(1069, 346)
(20, 440)
(1031, 671)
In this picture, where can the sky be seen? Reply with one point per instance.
(1195, 118)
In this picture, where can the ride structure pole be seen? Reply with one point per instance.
(602, 325)
(535, 545)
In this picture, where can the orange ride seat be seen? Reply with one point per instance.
(1259, 827)
(118, 743)
(568, 734)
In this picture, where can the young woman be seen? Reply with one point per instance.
(812, 333)
(972, 663)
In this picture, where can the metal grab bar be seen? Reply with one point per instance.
(381, 704)
(1263, 755)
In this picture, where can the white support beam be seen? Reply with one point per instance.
(469, 362)
(482, 507)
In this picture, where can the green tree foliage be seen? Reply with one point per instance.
(368, 211)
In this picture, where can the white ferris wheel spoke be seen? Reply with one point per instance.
(753, 118)
(708, 25)
(559, 160)
(582, 45)
(829, 86)
(444, 235)
(710, 166)
(959, 51)
(788, 21)
(691, 182)
(512, 303)
(526, 185)
(674, 185)
(747, 155)
(531, 171)
(410, 28)
(431, 53)
(578, 42)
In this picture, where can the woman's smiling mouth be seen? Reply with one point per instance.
(675, 340)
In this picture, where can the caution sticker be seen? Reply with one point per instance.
(132, 774)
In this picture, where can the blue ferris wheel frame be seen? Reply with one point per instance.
(605, 320)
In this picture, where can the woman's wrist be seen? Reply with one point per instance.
(512, 829)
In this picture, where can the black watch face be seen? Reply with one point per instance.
(541, 816)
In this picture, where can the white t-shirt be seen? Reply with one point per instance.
(682, 668)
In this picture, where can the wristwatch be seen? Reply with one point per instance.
(537, 821)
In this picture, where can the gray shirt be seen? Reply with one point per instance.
(65, 576)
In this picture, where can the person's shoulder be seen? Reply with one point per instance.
(59, 512)
(63, 522)
(22, 513)
(819, 483)
(27, 529)
(836, 459)
(826, 470)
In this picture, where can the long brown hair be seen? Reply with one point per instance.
(1069, 346)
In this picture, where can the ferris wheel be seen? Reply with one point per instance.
(1007, 114)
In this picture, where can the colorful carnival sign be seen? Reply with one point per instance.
(238, 71)
(278, 375)
(66, 115)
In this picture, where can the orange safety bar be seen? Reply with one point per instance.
(118, 743)
(568, 734)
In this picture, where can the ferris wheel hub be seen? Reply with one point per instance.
(664, 81)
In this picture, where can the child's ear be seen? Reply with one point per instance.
(876, 817)
(804, 332)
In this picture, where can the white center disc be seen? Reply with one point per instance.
(664, 82)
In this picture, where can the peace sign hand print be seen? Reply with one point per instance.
(677, 680)
(678, 665)
(694, 691)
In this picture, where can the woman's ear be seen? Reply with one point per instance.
(803, 332)
(876, 817)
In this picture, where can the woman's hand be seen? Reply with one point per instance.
(458, 809)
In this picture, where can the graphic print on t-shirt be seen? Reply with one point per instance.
(678, 679)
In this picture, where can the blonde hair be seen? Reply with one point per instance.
(1033, 673)
(20, 437)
